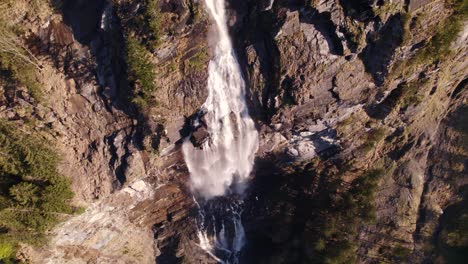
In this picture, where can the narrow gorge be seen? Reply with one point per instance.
(233, 131)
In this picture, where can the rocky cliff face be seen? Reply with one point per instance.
(343, 84)
(339, 90)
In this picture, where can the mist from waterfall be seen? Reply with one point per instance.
(220, 169)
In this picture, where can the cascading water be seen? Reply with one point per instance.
(220, 169)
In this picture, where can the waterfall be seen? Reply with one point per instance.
(220, 169)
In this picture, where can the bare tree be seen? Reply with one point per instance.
(10, 44)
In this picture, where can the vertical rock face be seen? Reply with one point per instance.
(325, 77)
(338, 89)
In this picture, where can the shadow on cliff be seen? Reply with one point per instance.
(252, 29)
(283, 212)
(360, 10)
(323, 23)
(95, 25)
(106, 43)
(381, 46)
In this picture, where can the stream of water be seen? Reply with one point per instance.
(220, 169)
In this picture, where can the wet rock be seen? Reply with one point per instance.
(266, 5)
(200, 136)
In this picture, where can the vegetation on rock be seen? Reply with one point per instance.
(372, 138)
(17, 65)
(198, 61)
(140, 72)
(33, 194)
(452, 240)
(343, 218)
(152, 19)
(439, 45)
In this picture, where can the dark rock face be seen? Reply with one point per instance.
(381, 46)
(84, 16)
(199, 132)
(360, 10)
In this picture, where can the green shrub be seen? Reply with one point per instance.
(438, 47)
(400, 253)
(195, 12)
(362, 192)
(457, 236)
(33, 194)
(140, 72)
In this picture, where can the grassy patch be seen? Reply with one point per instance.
(145, 23)
(195, 12)
(439, 45)
(405, 22)
(33, 195)
(152, 18)
(198, 61)
(387, 9)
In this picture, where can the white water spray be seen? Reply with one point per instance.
(225, 161)
(228, 156)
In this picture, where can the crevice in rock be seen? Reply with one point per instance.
(334, 94)
(84, 17)
(168, 250)
(122, 168)
(287, 85)
(92, 147)
(398, 153)
(361, 10)
(462, 85)
(383, 109)
(381, 46)
(120, 152)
